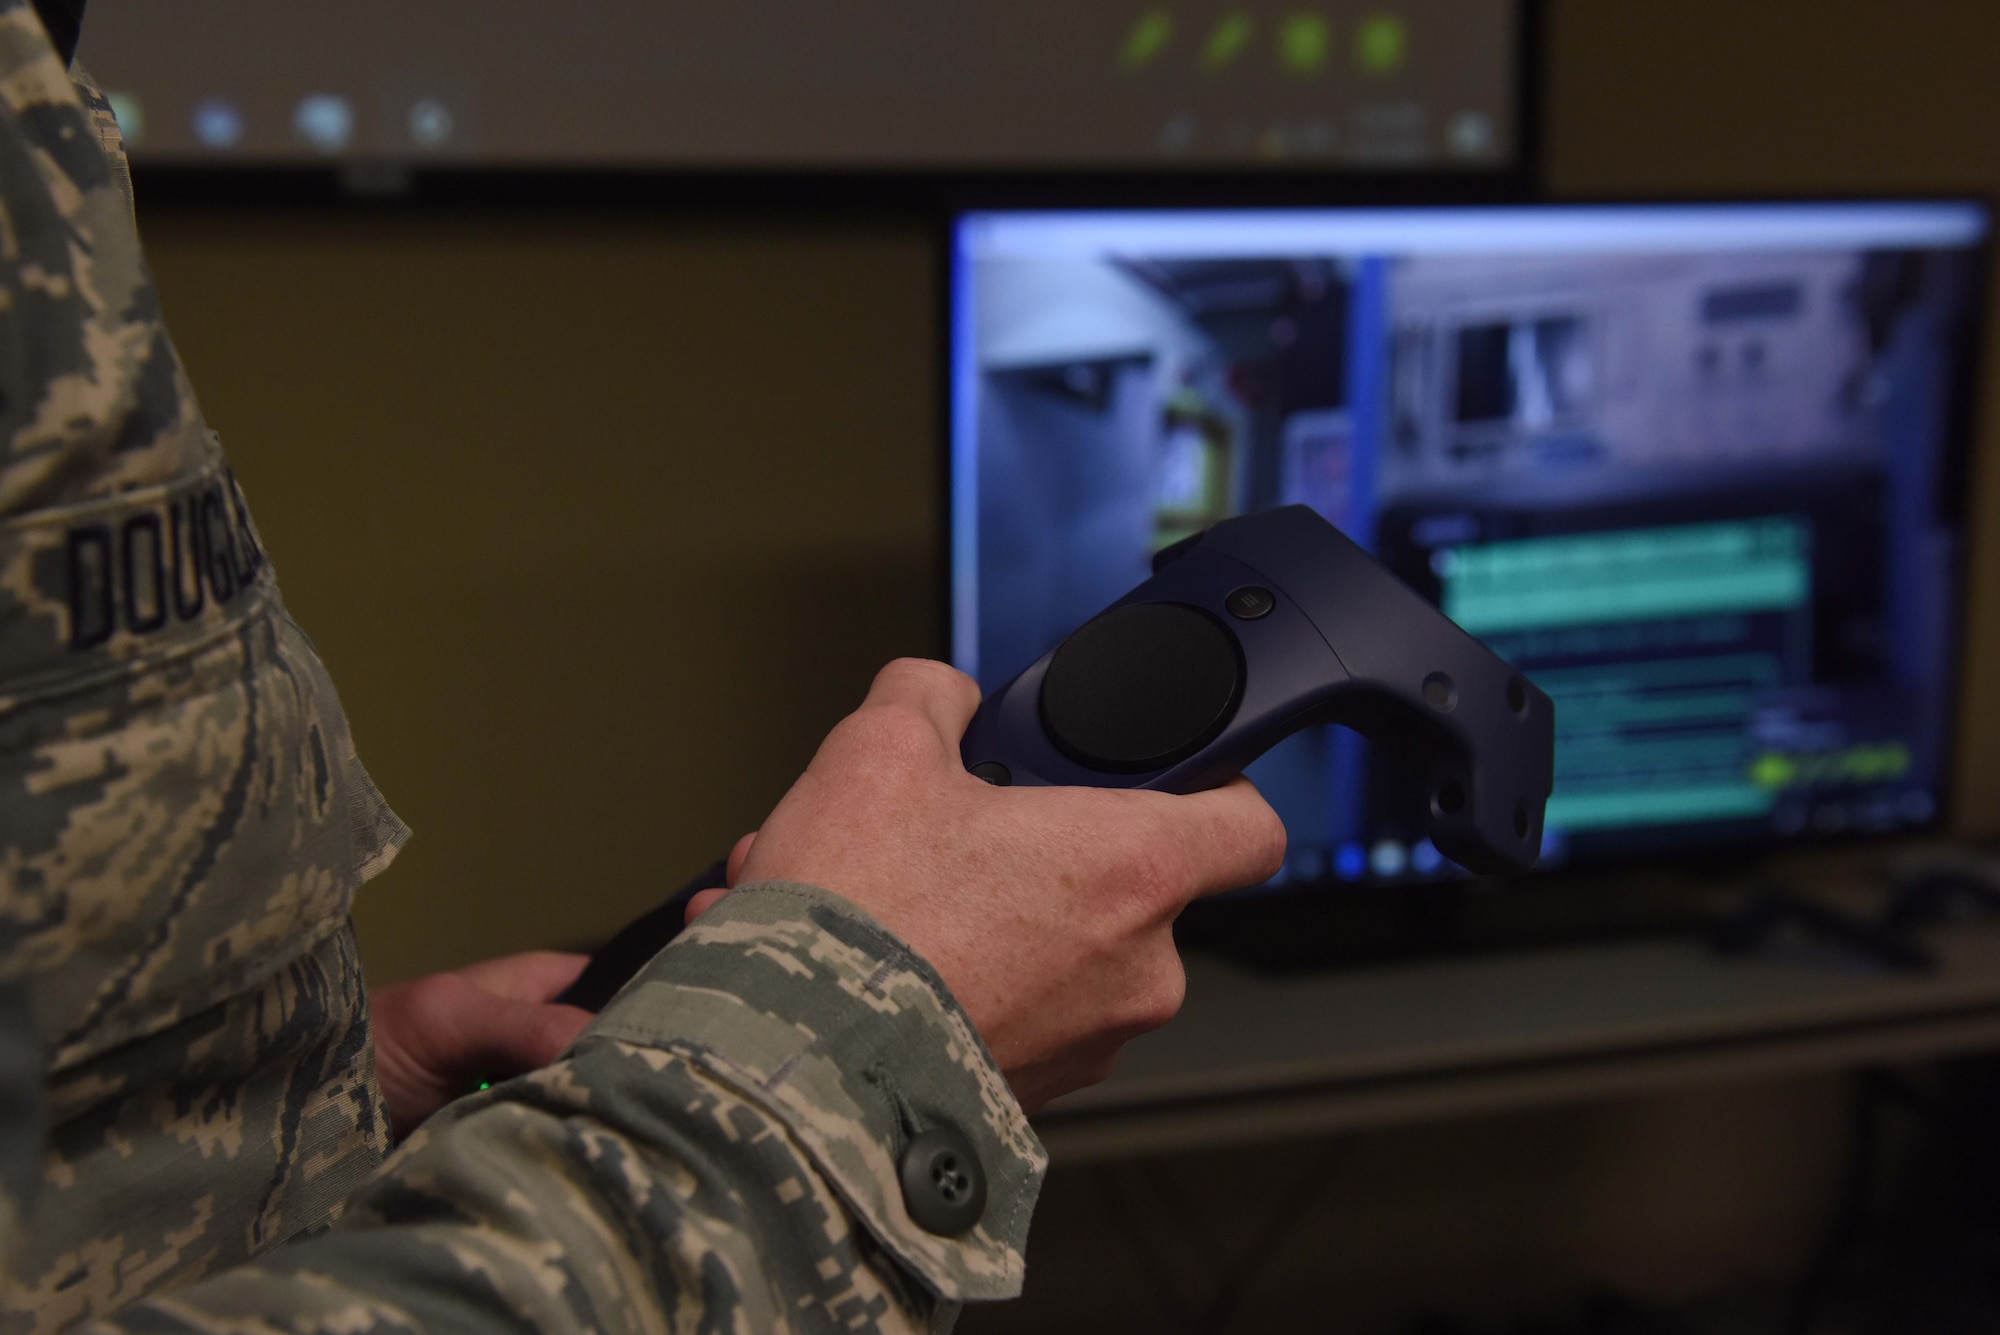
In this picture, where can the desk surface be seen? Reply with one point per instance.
(1259, 1057)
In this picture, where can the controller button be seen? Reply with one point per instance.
(1440, 692)
(1250, 602)
(993, 772)
(1450, 797)
(944, 1185)
(1141, 687)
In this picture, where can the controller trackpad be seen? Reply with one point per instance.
(1142, 687)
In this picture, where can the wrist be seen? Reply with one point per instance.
(802, 1001)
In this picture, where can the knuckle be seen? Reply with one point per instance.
(901, 670)
(924, 673)
(963, 685)
(891, 738)
(932, 677)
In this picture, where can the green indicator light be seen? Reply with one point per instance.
(1773, 771)
(1382, 44)
(484, 1085)
(1303, 43)
(1874, 762)
(1147, 39)
(1226, 43)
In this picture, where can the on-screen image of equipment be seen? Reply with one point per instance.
(1697, 471)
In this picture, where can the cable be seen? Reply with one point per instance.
(1283, 1220)
(1851, 1206)
(1161, 1278)
(1157, 1277)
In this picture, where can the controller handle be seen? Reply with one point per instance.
(1256, 628)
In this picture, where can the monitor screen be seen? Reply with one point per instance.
(1697, 469)
(1428, 85)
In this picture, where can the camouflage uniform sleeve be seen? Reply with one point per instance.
(184, 820)
(719, 1151)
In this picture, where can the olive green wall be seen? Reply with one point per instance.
(601, 521)
(599, 524)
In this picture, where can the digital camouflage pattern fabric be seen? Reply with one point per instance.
(185, 820)
(717, 1152)
(183, 825)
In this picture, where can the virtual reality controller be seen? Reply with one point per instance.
(1252, 630)
(1245, 634)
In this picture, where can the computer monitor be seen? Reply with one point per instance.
(1697, 469)
(1257, 88)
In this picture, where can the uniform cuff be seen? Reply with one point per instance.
(809, 1007)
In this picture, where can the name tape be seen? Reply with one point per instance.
(162, 565)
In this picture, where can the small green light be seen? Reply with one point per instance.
(484, 1085)
(1381, 44)
(1226, 43)
(1147, 39)
(1773, 771)
(1303, 43)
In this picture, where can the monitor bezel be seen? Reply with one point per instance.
(919, 193)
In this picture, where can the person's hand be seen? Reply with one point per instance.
(435, 1035)
(1047, 911)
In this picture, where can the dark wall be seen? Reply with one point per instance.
(600, 525)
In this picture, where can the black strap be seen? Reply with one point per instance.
(637, 942)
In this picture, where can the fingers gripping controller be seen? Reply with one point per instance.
(1253, 630)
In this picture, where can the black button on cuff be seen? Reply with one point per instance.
(1250, 602)
(993, 772)
(944, 1186)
